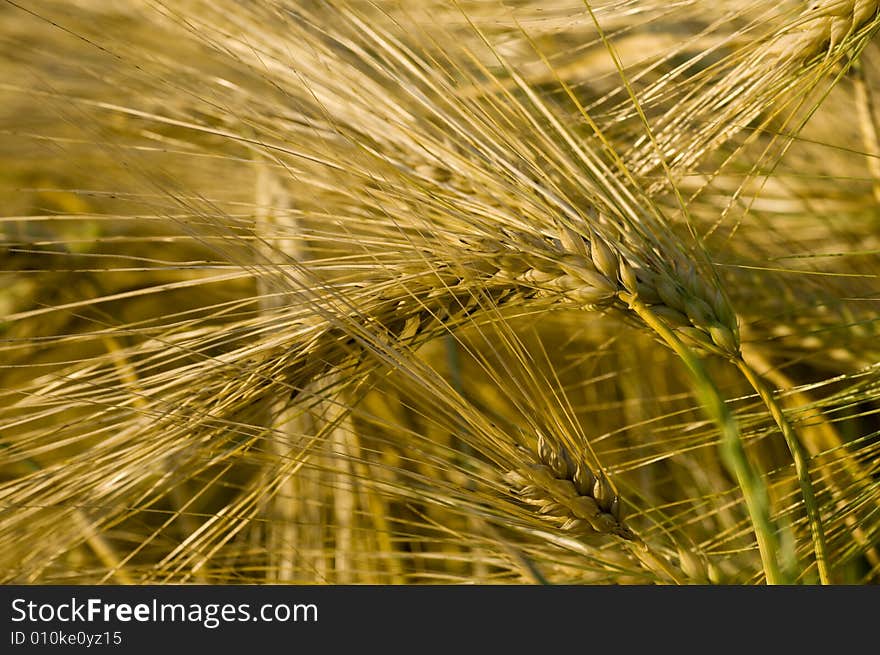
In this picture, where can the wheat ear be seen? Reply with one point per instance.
(785, 60)
(565, 491)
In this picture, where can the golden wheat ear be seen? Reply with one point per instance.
(769, 72)
(569, 493)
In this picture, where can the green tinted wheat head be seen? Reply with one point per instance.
(373, 291)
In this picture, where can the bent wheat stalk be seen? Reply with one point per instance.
(733, 453)
(801, 463)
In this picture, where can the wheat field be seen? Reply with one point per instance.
(444, 292)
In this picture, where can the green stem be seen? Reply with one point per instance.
(732, 450)
(801, 465)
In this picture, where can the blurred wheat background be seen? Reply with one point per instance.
(476, 291)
